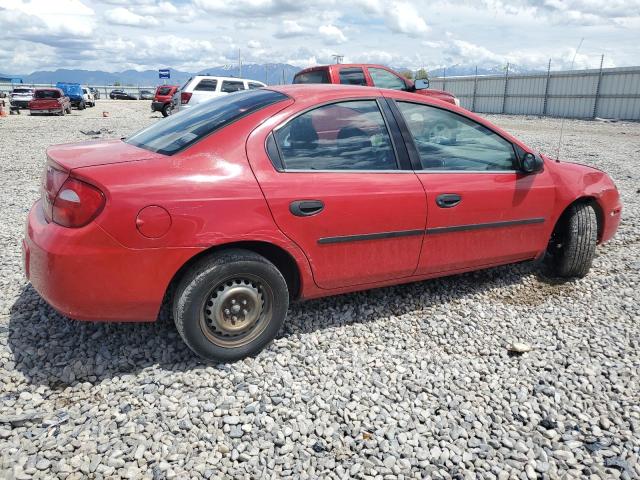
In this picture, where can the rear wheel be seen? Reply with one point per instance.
(68, 110)
(167, 110)
(230, 305)
(573, 243)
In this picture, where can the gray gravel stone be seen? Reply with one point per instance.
(379, 384)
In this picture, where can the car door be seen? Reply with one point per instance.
(339, 185)
(481, 209)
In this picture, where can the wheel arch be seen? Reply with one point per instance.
(283, 261)
(586, 200)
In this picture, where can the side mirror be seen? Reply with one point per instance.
(421, 84)
(531, 163)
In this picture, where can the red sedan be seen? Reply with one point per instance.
(232, 209)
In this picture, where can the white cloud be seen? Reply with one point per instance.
(124, 16)
(332, 34)
(403, 17)
(291, 28)
(254, 44)
(60, 18)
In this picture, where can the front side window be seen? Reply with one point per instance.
(230, 86)
(314, 76)
(180, 130)
(448, 141)
(383, 79)
(352, 76)
(342, 136)
(207, 85)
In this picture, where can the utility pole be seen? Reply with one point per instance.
(239, 65)
(545, 103)
(266, 73)
(338, 58)
(506, 86)
(597, 96)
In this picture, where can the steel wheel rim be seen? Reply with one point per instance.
(236, 310)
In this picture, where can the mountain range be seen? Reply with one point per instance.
(273, 73)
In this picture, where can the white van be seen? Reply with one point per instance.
(201, 88)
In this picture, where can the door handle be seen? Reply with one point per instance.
(306, 208)
(448, 200)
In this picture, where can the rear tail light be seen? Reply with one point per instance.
(185, 97)
(68, 201)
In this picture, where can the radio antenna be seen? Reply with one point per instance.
(575, 54)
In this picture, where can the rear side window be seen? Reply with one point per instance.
(206, 85)
(341, 136)
(177, 132)
(315, 76)
(253, 85)
(230, 86)
(352, 76)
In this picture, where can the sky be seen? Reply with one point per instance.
(190, 35)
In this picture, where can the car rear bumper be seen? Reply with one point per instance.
(85, 274)
(157, 106)
(46, 110)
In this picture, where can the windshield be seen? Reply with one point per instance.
(178, 131)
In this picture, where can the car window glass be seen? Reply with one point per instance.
(341, 136)
(230, 86)
(207, 85)
(164, 90)
(352, 76)
(178, 131)
(253, 85)
(315, 76)
(47, 94)
(448, 141)
(384, 79)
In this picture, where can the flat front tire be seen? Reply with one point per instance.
(230, 305)
(573, 243)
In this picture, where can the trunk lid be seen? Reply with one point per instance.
(97, 152)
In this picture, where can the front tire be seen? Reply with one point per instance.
(230, 305)
(573, 243)
(81, 106)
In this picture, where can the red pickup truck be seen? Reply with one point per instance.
(49, 100)
(370, 75)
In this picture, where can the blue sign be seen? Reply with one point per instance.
(164, 73)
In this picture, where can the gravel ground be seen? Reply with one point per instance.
(412, 381)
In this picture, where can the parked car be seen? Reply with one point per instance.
(49, 100)
(146, 95)
(201, 88)
(237, 206)
(89, 99)
(96, 92)
(371, 75)
(165, 99)
(121, 95)
(20, 97)
(75, 94)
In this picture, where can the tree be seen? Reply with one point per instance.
(407, 74)
(422, 74)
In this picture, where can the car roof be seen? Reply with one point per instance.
(319, 92)
(227, 78)
(347, 65)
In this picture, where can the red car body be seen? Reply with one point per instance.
(156, 213)
(332, 74)
(49, 100)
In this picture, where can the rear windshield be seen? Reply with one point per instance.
(47, 94)
(314, 76)
(21, 90)
(180, 130)
(163, 91)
